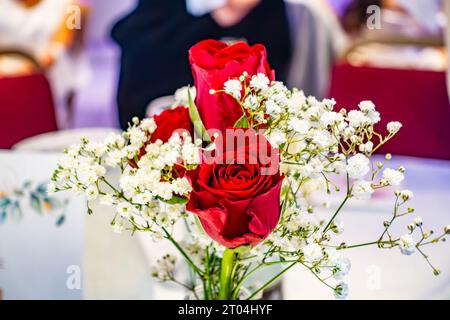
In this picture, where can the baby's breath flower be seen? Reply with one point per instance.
(366, 106)
(329, 118)
(125, 209)
(260, 82)
(357, 119)
(393, 177)
(341, 291)
(358, 166)
(338, 227)
(148, 125)
(298, 125)
(92, 192)
(107, 199)
(362, 190)
(233, 88)
(366, 147)
(406, 195)
(181, 186)
(418, 221)
(312, 252)
(276, 138)
(447, 229)
(273, 108)
(407, 244)
(394, 127)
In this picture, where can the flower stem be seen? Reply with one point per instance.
(226, 274)
(335, 214)
(183, 253)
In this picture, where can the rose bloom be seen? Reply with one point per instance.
(236, 202)
(213, 63)
(171, 120)
(167, 123)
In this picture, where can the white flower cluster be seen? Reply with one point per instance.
(150, 193)
(313, 137)
(318, 143)
(298, 236)
(165, 268)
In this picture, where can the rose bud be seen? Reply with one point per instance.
(213, 63)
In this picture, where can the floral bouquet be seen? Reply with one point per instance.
(235, 161)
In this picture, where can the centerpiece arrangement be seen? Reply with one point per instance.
(234, 161)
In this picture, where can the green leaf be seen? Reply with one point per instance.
(197, 120)
(35, 203)
(175, 200)
(242, 122)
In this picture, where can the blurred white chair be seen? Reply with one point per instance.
(158, 105)
(60, 140)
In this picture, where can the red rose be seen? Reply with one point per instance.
(236, 202)
(213, 63)
(169, 121)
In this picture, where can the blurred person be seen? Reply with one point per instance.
(156, 36)
(339, 6)
(38, 28)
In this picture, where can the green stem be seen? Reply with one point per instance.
(335, 214)
(183, 253)
(245, 278)
(360, 245)
(378, 242)
(226, 273)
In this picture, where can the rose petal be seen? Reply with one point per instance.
(262, 210)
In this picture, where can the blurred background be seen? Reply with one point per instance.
(85, 67)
